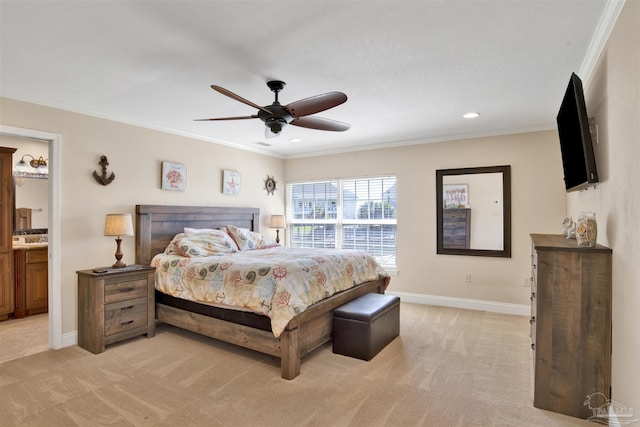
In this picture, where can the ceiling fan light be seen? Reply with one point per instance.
(268, 134)
(274, 127)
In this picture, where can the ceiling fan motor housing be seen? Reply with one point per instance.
(277, 119)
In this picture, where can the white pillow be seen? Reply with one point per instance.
(247, 239)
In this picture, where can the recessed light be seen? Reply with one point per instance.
(471, 115)
(294, 140)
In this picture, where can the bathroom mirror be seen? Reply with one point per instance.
(473, 213)
(30, 201)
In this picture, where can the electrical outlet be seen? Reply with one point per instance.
(526, 282)
(467, 278)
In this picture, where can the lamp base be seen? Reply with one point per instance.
(119, 263)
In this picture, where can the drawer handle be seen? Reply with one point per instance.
(126, 323)
(533, 346)
(128, 308)
(125, 290)
(532, 320)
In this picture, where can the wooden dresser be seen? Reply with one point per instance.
(115, 305)
(456, 228)
(570, 323)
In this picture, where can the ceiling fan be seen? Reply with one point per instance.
(276, 116)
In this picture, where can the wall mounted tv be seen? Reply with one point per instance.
(576, 145)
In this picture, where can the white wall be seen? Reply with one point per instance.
(538, 201)
(613, 99)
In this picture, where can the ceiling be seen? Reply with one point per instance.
(410, 69)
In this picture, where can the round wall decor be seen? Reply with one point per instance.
(270, 184)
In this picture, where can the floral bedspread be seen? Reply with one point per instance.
(277, 282)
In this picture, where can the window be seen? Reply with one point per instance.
(357, 213)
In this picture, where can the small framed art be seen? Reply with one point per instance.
(230, 182)
(456, 196)
(174, 176)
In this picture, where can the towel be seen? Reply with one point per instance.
(23, 218)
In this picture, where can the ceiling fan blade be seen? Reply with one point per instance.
(238, 98)
(227, 118)
(315, 104)
(320, 123)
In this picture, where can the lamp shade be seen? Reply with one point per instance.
(276, 221)
(118, 225)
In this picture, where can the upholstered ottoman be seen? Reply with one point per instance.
(364, 326)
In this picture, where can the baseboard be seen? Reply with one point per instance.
(469, 304)
(69, 339)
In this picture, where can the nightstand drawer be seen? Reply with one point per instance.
(125, 290)
(124, 315)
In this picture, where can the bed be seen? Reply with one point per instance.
(156, 225)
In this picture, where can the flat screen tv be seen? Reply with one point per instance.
(576, 146)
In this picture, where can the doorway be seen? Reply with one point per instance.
(54, 221)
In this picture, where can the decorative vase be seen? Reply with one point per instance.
(586, 229)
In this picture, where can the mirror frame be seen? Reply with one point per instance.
(506, 211)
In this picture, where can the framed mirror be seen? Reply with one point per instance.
(30, 201)
(473, 213)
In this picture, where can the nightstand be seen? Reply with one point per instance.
(115, 304)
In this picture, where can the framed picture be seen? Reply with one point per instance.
(230, 182)
(455, 196)
(174, 176)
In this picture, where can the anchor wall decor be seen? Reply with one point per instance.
(104, 179)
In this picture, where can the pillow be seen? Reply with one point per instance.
(247, 239)
(172, 248)
(217, 238)
(201, 243)
(191, 231)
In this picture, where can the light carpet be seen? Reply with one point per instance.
(449, 367)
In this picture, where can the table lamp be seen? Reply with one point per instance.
(118, 225)
(277, 222)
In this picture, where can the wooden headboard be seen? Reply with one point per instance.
(157, 224)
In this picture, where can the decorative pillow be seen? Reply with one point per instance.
(191, 231)
(172, 248)
(212, 238)
(247, 239)
(201, 243)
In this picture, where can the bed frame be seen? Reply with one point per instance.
(155, 227)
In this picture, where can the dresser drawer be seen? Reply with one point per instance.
(534, 271)
(37, 256)
(125, 290)
(124, 315)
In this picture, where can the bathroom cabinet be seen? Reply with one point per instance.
(31, 274)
